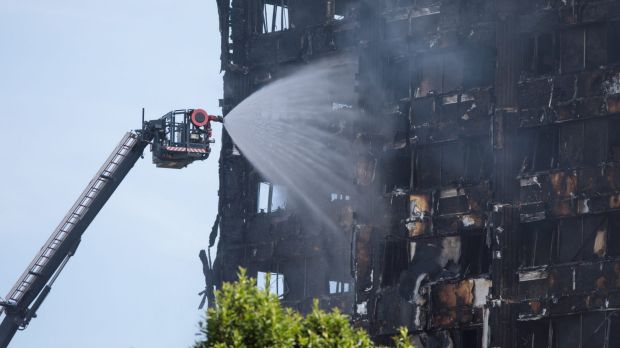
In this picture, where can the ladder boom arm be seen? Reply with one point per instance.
(35, 283)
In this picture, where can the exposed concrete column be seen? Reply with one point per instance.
(506, 215)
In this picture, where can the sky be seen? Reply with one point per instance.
(74, 76)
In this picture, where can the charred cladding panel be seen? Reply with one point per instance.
(485, 183)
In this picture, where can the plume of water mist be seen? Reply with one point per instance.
(291, 130)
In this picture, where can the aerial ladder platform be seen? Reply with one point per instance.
(177, 139)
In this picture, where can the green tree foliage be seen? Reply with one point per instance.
(402, 340)
(247, 317)
(330, 330)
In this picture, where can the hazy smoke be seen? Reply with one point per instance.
(292, 131)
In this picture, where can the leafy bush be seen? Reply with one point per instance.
(247, 317)
(322, 330)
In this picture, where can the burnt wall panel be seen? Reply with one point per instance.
(486, 209)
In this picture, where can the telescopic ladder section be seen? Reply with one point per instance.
(63, 241)
(73, 217)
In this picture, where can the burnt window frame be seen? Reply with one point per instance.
(533, 63)
(340, 287)
(395, 260)
(586, 227)
(586, 37)
(480, 256)
(458, 337)
(582, 231)
(595, 139)
(537, 146)
(275, 16)
(280, 289)
(569, 50)
(556, 330)
(535, 244)
(271, 189)
(461, 172)
(452, 70)
(613, 138)
(613, 42)
(533, 333)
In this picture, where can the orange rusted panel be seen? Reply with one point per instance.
(452, 295)
(535, 306)
(464, 293)
(447, 296)
(563, 184)
(613, 103)
(614, 201)
(363, 254)
(419, 214)
(420, 203)
(563, 187)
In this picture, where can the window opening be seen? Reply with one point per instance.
(339, 197)
(264, 189)
(543, 151)
(572, 48)
(539, 54)
(591, 329)
(275, 285)
(471, 338)
(275, 16)
(613, 42)
(613, 136)
(271, 197)
(536, 244)
(451, 71)
(578, 239)
(336, 287)
(533, 334)
(396, 260)
(474, 254)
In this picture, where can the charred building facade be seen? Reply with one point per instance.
(487, 211)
